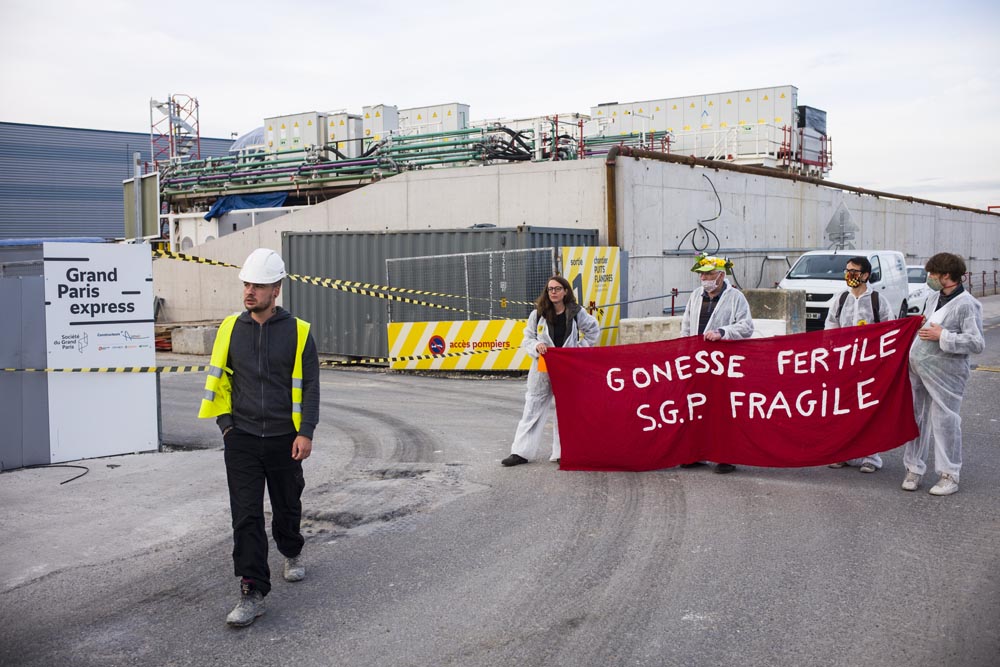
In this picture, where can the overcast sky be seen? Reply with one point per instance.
(912, 90)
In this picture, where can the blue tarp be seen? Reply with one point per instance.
(229, 203)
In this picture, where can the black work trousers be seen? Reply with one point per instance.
(250, 462)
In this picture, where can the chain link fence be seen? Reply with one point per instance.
(478, 285)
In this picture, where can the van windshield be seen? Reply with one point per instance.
(822, 267)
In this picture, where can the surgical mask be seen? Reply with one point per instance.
(709, 284)
(934, 284)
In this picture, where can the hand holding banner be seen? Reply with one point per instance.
(790, 401)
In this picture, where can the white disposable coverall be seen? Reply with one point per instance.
(538, 400)
(856, 309)
(939, 371)
(731, 315)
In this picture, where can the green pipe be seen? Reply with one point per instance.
(437, 144)
(448, 133)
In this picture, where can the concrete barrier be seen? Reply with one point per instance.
(648, 329)
(192, 340)
(779, 304)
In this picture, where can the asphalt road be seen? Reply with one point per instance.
(422, 550)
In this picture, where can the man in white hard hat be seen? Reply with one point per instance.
(263, 390)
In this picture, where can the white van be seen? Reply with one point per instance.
(821, 274)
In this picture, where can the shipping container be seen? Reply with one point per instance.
(354, 325)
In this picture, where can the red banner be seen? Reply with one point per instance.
(791, 401)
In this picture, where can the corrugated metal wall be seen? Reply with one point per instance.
(354, 324)
(61, 181)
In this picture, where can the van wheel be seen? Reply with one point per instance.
(903, 310)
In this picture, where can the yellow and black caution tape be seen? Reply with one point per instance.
(342, 284)
(203, 369)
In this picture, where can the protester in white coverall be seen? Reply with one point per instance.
(939, 371)
(717, 311)
(858, 309)
(557, 321)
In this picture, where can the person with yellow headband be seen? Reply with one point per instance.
(717, 311)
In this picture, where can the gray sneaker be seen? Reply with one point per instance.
(250, 606)
(295, 569)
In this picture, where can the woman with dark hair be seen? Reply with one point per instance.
(557, 321)
(939, 371)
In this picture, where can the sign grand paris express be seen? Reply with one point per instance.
(791, 401)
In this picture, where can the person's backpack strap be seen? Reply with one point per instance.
(840, 308)
(875, 306)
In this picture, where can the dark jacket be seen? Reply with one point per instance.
(262, 357)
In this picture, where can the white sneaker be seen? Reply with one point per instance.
(912, 481)
(945, 486)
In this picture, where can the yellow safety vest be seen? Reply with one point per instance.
(218, 396)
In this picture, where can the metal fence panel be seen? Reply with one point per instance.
(483, 285)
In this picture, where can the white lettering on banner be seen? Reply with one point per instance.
(669, 415)
(715, 363)
(755, 403)
(806, 362)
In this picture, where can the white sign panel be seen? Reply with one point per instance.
(99, 314)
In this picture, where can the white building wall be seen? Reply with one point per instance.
(657, 205)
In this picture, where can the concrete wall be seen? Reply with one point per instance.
(568, 194)
(659, 204)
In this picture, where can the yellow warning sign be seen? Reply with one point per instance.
(419, 117)
(729, 101)
(782, 96)
(675, 107)
(378, 114)
(692, 105)
(687, 127)
(366, 115)
(640, 109)
(434, 115)
(497, 341)
(747, 99)
(711, 103)
(766, 98)
(449, 112)
(595, 274)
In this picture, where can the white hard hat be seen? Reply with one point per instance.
(263, 267)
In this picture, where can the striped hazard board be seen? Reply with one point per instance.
(498, 341)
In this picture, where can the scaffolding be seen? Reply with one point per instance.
(174, 131)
